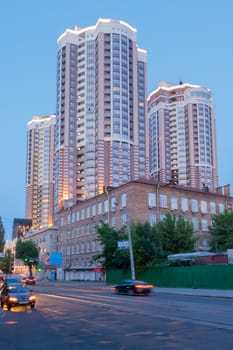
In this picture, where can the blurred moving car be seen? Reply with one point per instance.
(29, 280)
(133, 287)
(17, 295)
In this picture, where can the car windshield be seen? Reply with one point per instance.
(18, 289)
(12, 280)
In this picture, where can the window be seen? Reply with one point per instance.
(174, 202)
(162, 217)
(62, 221)
(194, 204)
(212, 208)
(204, 225)
(203, 207)
(99, 208)
(113, 223)
(151, 200)
(123, 199)
(220, 208)
(124, 219)
(94, 210)
(195, 223)
(163, 201)
(152, 219)
(106, 206)
(184, 204)
(113, 203)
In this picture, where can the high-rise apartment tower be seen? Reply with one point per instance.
(40, 171)
(183, 136)
(101, 127)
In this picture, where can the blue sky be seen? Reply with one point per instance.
(185, 40)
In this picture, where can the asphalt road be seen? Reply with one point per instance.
(87, 318)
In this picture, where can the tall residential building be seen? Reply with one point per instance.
(40, 171)
(183, 136)
(101, 126)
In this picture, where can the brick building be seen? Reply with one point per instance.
(138, 201)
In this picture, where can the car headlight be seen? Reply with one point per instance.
(13, 299)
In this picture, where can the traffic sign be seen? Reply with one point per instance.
(123, 244)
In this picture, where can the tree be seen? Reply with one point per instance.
(28, 251)
(111, 257)
(221, 231)
(2, 235)
(146, 246)
(175, 235)
(7, 263)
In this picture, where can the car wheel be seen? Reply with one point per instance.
(8, 307)
(32, 306)
(2, 304)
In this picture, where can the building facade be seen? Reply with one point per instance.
(20, 227)
(138, 201)
(101, 126)
(183, 146)
(40, 171)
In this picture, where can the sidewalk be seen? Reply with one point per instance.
(222, 293)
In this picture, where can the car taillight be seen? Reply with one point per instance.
(144, 286)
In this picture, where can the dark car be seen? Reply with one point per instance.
(29, 280)
(17, 295)
(9, 281)
(132, 287)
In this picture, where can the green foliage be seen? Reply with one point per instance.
(7, 262)
(146, 246)
(175, 235)
(27, 249)
(221, 231)
(151, 244)
(2, 234)
(111, 257)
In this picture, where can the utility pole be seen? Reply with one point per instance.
(131, 251)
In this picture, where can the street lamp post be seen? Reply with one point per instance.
(108, 207)
(131, 251)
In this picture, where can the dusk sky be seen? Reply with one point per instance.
(185, 40)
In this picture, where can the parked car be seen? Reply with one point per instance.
(17, 295)
(132, 287)
(29, 280)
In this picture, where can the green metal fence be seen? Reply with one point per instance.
(198, 276)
